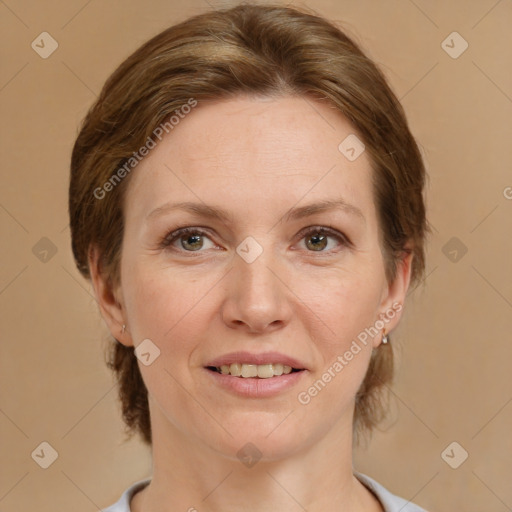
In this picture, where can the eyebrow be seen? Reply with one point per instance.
(295, 213)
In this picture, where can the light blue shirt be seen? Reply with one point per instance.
(389, 502)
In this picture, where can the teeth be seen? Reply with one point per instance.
(249, 370)
(278, 369)
(235, 369)
(263, 371)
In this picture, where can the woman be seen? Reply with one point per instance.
(246, 198)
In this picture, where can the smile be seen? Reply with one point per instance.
(261, 371)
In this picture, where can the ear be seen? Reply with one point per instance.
(393, 297)
(112, 309)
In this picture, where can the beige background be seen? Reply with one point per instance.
(455, 347)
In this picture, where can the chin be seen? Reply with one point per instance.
(265, 438)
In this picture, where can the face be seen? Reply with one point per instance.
(274, 280)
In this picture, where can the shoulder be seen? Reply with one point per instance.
(389, 502)
(123, 505)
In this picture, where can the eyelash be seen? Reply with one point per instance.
(170, 238)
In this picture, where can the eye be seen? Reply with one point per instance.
(317, 238)
(191, 239)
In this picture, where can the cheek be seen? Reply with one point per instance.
(341, 304)
(170, 308)
(347, 309)
(167, 309)
(343, 309)
(155, 301)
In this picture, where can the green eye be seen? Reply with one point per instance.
(191, 239)
(319, 243)
(319, 237)
(195, 245)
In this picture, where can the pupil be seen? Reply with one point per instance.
(197, 238)
(321, 238)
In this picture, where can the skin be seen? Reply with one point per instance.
(256, 158)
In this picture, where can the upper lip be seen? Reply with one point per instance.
(262, 358)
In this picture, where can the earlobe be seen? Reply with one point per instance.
(111, 308)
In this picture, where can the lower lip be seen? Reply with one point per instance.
(254, 387)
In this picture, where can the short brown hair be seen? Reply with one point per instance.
(256, 50)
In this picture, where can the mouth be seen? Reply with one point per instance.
(250, 375)
(254, 371)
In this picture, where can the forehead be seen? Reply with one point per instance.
(252, 150)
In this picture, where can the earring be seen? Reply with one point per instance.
(124, 328)
(385, 338)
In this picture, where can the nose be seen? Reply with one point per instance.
(258, 299)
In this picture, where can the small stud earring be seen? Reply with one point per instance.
(124, 328)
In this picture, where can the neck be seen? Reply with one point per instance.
(190, 476)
